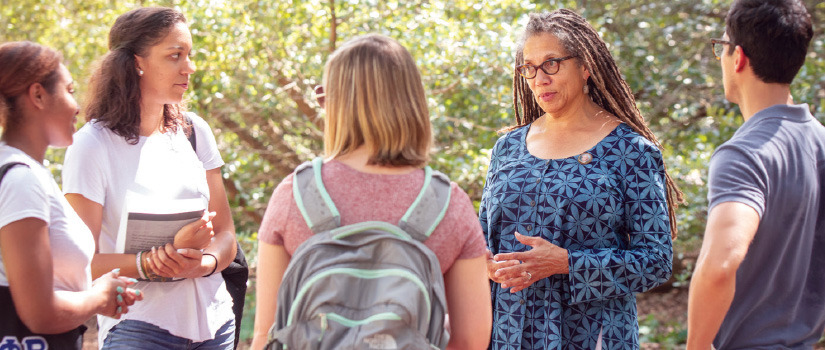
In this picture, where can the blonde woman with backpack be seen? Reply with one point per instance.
(377, 140)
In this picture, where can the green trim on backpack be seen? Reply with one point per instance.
(428, 174)
(440, 215)
(319, 182)
(349, 230)
(299, 201)
(316, 167)
(346, 322)
(359, 273)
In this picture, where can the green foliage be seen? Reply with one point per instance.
(258, 62)
(667, 336)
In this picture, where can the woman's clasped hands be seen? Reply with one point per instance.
(116, 296)
(183, 257)
(519, 270)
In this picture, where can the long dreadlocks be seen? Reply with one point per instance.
(607, 88)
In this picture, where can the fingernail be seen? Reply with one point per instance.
(119, 309)
(133, 280)
(116, 271)
(119, 298)
(120, 289)
(181, 251)
(137, 292)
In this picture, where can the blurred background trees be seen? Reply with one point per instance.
(258, 62)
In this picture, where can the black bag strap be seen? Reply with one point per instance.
(16, 335)
(321, 215)
(190, 128)
(6, 167)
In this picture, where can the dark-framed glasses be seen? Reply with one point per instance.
(549, 67)
(718, 46)
(319, 95)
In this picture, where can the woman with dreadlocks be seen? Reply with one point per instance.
(577, 209)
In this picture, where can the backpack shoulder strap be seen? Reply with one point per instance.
(312, 198)
(5, 168)
(429, 207)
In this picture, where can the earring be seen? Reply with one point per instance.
(586, 89)
(140, 72)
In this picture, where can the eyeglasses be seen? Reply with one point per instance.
(320, 95)
(549, 67)
(718, 47)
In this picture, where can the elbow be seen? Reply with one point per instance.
(42, 324)
(665, 271)
(476, 343)
(716, 271)
(660, 271)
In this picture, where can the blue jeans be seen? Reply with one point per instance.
(134, 334)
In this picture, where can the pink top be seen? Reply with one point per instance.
(375, 197)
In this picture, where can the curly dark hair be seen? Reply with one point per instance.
(114, 89)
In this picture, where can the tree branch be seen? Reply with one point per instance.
(233, 192)
(283, 159)
(333, 27)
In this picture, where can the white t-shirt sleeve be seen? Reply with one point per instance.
(84, 167)
(22, 196)
(207, 147)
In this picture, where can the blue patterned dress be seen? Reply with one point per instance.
(611, 214)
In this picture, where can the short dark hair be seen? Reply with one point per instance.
(774, 34)
(23, 63)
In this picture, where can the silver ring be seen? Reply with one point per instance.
(529, 276)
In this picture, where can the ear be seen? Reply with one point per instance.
(37, 95)
(740, 60)
(585, 72)
(138, 62)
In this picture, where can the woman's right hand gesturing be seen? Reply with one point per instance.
(114, 293)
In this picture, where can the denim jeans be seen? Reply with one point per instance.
(133, 334)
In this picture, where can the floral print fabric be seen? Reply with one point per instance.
(609, 213)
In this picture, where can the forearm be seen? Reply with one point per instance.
(70, 310)
(59, 311)
(623, 272)
(224, 247)
(104, 263)
(272, 263)
(730, 230)
(711, 294)
(468, 303)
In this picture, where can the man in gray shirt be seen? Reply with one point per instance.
(759, 281)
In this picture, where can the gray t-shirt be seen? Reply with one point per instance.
(775, 163)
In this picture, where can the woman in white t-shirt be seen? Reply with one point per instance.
(138, 172)
(46, 292)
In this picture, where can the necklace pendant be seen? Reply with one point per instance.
(584, 158)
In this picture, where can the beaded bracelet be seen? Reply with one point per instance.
(139, 264)
(151, 275)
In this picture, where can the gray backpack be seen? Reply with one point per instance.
(370, 285)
